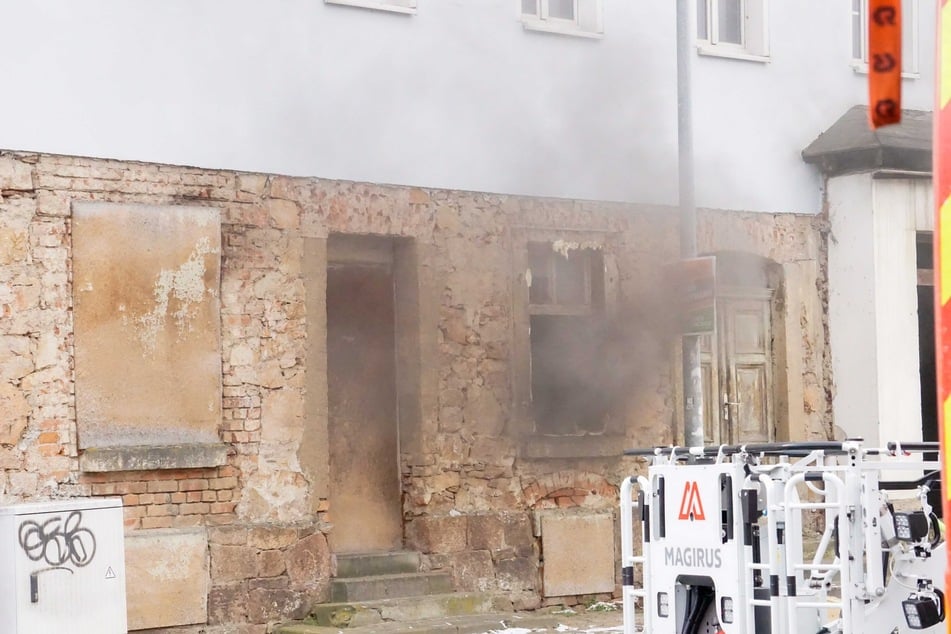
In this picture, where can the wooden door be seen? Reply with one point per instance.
(747, 404)
(736, 366)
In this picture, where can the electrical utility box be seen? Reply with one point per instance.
(62, 567)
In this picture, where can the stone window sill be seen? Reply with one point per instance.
(601, 446)
(150, 458)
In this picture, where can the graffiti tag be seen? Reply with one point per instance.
(57, 541)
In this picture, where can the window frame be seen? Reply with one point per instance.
(587, 21)
(535, 443)
(555, 306)
(754, 32)
(910, 64)
(407, 7)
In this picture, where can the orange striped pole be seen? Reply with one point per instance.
(941, 151)
(884, 62)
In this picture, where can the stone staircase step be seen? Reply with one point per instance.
(382, 563)
(369, 588)
(407, 609)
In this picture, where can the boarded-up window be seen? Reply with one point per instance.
(148, 360)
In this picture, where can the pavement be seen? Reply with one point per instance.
(602, 619)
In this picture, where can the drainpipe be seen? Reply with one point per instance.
(693, 387)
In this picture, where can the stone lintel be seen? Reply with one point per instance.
(190, 456)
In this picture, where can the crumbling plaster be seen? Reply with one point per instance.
(464, 457)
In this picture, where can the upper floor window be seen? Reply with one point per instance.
(733, 28)
(909, 37)
(568, 17)
(396, 6)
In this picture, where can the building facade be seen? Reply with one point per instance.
(274, 360)
(371, 365)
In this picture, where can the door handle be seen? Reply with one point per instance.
(726, 406)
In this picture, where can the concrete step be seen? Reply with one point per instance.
(373, 587)
(383, 563)
(406, 609)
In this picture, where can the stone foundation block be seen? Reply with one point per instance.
(167, 580)
(443, 534)
(578, 551)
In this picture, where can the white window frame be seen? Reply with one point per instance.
(586, 23)
(754, 30)
(911, 11)
(393, 6)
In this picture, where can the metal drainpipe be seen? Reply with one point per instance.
(693, 387)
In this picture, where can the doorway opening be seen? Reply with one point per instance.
(367, 329)
(927, 368)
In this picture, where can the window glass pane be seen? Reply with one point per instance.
(530, 7)
(539, 261)
(730, 21)
(907, 35)
(702, 33)
(569, 279)
(562, 9)
(858, 26)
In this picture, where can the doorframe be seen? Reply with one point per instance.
(402, 256)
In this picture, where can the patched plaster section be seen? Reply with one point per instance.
(186, 284)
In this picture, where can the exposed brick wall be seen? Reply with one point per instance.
(170, 498)
(471, 480)
(567, 489)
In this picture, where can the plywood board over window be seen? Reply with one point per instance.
(147, 335)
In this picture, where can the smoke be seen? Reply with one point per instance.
(592, 370)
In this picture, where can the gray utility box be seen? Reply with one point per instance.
(62, 567)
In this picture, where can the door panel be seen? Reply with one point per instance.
(365, 500)
(747, 358)
(752, 422)
(710, 387)
(749, 336)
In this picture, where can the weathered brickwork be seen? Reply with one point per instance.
(475, 470)
(170, 498)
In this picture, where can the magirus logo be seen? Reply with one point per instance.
(691, 507)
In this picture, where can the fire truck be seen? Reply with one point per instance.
(806, 537)
(783, 538)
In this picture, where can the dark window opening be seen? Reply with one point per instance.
(926, 349)
(566, 301)
(924, 250)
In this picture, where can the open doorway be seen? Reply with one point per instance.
(363, 424)
(926, 349)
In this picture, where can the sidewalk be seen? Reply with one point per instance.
(581, 622)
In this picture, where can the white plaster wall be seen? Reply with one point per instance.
(896, 307)
(458, 95)
(873, 304)
(852, 306)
